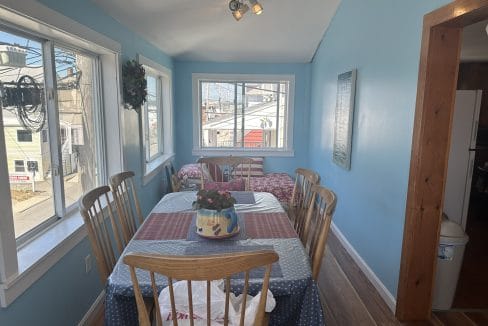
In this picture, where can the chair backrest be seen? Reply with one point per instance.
(200, 268)
(317, 225)
(92, 211)
(225, 169)
(127, 203)
(173, 181)
(301, 197)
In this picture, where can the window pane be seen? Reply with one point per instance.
(282, 121)
(24, 122)
(218, 114)
(260, 114)
(24, 135)
(153, 110)
(78, 121)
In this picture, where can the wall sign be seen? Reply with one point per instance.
(344, 113)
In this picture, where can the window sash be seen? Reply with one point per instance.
(159, 118)
(52, 131)
(242, 84)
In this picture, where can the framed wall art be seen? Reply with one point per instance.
(344, 114)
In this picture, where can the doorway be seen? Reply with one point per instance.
(438, 72)
(472, 287)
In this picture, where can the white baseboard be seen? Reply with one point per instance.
(88, 317)
(379, 286)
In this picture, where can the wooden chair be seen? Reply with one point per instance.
(127, 203)
(98, 232)
(225, 169)
(317, 225)
(200, 268)
(301, 197)
(173, 181)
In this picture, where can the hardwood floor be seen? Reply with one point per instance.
(472, 286)
(349, 298)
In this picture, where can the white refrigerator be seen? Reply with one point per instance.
(461, 155)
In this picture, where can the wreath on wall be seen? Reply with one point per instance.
(134, 81)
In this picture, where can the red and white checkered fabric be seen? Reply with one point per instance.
(165, 226)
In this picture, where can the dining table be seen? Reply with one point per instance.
(170, 229)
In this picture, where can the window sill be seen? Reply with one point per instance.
(243, 152)
(152, 168)
(38, 255)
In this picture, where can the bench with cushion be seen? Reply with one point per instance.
(279, 184)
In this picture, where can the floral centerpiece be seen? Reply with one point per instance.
(216, 216)
(213, 199)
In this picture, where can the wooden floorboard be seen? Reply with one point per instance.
(376, 306)
(343, 305)
(349, 298)
(480, 318)
(451, 318)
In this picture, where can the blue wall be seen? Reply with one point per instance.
(381, 39)
(60, 297)
(184, 118)
(64, 294)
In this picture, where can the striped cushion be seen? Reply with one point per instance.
(238, 184)
(257, 169)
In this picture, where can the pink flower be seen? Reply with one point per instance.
(210, 200)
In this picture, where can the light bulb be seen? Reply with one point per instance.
(256, 7)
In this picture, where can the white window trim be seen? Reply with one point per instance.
(288, 151)
(21, 266)
(152, 168)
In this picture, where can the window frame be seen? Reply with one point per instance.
(198, 150)
(151, 166)
(159, 112)
(25, 133)
(21, 266)
(53, 126)
(17, 166)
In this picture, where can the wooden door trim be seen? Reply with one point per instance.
(436, 89)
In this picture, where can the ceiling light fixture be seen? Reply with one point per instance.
(239, 8)
(256, 7)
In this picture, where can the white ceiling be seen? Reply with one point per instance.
(204, 30)
(475, 42)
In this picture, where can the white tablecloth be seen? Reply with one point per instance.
(181, 201)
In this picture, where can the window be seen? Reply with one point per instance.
(24, 136)
(157, 138)
(152, 117)
(243, 113)
(56, 53)
(72, 162)
(19, 166)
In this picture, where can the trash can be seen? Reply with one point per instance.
(452, 243)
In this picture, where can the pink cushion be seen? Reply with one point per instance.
(234, 185)
(194, 171)
(190, 171)
(279, 184)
